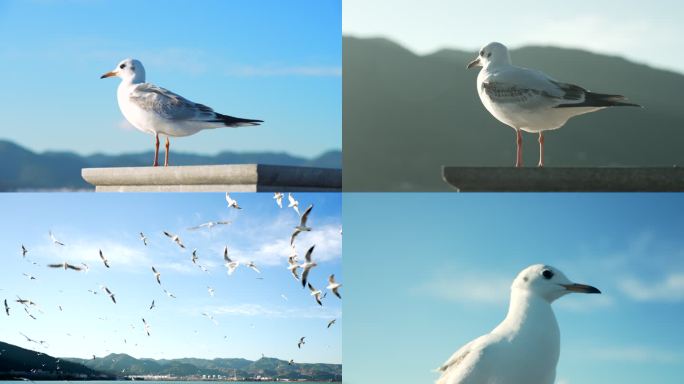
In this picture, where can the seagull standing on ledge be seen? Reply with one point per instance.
(524, 348)
(156, 110)
(529, 100)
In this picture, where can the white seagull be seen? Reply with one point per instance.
(209, 225)
(147, 327)
(230, 264)
(24, 251)
(293, 266)
(65, 266)
(331, 322)
(316, 293)
(175, 239)
(104, 259)
(301, 342)
(210, 317)
(294, 204)
(525, 347)
(54, 240)
(302, 224)
(278, 196)
(152, 305)
(169, 294)
(194, 256)
(529, 100)
(308, 264)
(155, 110)
(157, 275)
(109, 293)
(6, 308)
(211, 291)
(143, 238)
(253, 267)
(334, 286)
(232, 203)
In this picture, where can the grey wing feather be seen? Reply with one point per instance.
(169, 105)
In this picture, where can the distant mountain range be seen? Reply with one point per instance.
(406, 115)
(122, 364)
(22, 169)
(16, 362)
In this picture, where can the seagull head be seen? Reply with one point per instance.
(492, 53)
(130, 70)
(548, 282)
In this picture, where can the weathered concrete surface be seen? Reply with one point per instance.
(214, 178)
(557, 179)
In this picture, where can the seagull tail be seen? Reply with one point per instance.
(231, 121)
(601, 100)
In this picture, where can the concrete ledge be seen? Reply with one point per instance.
(556, 179)
(214, 178)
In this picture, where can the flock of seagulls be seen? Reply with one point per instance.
(231, 265)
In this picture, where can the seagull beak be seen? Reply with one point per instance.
(581, 288)
(474, 63)
(108, 74)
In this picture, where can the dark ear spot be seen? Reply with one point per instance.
(489, 55)
(525, 278)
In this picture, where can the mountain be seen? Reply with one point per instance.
(22, 169)
(18, 362)
(115, 364)
(407, 115)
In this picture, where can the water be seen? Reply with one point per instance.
(162, 382)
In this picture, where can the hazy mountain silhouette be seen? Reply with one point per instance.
(406, 115)
(22, 169)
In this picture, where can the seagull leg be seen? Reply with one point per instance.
(156, 150)
(166, 155)
(541, 149)
(518, 160)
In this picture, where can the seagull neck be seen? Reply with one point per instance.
(525, 306)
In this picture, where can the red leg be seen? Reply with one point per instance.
(166, 156)
(541, 149)
(156, 150)
(518, 160)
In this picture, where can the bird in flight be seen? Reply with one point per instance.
(302, 224)
(104, 259)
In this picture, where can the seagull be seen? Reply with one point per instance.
(209, 225)
(278, 196)
(530, 100)
(24, 251)
(334, 286)
(155, 110)
(525, 347)
(293, 266)
(175, 239)
(92, 291)
(301, 341)
(86, 268)
(232, 203)
(109, 293)
(194, 256)
(210, 317)
(147, 327)
(104, 259)
(65, 265)
(253, 267)
(315, 293)
(330, 324)
(302, 224)
(211, 291)
(156, 275)
(169, 294)
(25, 302)
(143, 238)
(290, 362)
(306, 267)
(6, 308)
(230, 264)
(152, 305)
(29, 276)
(294, 204)
(54, 240)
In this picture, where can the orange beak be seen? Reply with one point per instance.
(108, 74)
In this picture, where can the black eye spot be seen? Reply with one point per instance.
(547, 274)
(482, 53)
(122, 66)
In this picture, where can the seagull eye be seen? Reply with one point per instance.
(547, 274)
(122, 66)
(482, 53)
(489, 55)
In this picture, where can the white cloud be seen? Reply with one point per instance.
(267, 71)
(257, 310)
(634, 354)
(81, 250)
(467, 287)
(669, 289)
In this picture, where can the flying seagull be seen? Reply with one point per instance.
(104, 259)
(24, 251)
(529, 100)
(211, 291)
(152, 305)
(54, 240)
(65, 265)
(278, 196)
(334, 286)
(147, 327)
(294, 204)
(293, 266)
(155, 110)
(194, 256)
(6, 308)
(157, 275)
(302, 224)
(209, 225)
(253, 267)
(143, 238)
(232, 203)
(109, 293)
(169, 294)
(230, 264)
(175, 239)
(28, 276)
(525, 347)
(331, 322)
(301, 342)
(316, 293)
(308, 264)
(210, 317)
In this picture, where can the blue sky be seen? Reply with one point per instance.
(251, 312)
(271, 60)
(427, 273)
(643, 31)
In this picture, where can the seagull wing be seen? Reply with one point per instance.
(305, 216)
(476, 359)
(168, 235)
(294, 234)
(75, 268)
(225, 255)
(527, 88)
(308, 253)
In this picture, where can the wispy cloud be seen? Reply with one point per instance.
(86, 250)
(634, 354)
(269, 71)
(257, 310)
(466, 287)
(670, 288)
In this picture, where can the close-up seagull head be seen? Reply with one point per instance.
(494, 52)
(130, 70)
(548, 283)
